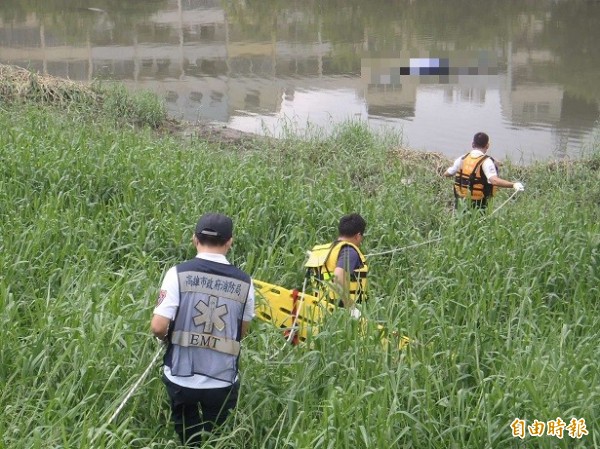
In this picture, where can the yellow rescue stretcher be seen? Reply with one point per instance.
(300, 314)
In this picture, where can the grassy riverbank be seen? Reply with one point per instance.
(96, 205)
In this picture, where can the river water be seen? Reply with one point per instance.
(526, 72)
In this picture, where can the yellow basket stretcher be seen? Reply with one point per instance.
(298, 314)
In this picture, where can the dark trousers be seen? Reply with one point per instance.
(216, 403)
(460, 203)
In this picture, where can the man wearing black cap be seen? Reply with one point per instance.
(204, 309)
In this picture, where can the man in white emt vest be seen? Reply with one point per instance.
(204, 309)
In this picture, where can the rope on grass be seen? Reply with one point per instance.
(405, 247)
(503, 204)
(129, 394)
(135, 386)
(437, 239)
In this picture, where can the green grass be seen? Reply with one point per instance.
(503, 311)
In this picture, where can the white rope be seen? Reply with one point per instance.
(128, 396)
(135, 386)
(404, 247)
(503, 204)
(439, 238)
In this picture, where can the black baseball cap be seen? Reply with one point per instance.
(215, 225)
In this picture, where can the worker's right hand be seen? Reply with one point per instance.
(354, 313)
(518, 187)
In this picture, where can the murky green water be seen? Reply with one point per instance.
(526, 72)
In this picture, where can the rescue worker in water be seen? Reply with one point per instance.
(476, 175)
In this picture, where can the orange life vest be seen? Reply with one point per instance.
(470, 180)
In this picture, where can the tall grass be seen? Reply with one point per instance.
(503, 312)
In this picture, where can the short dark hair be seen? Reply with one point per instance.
(211, 240)
(351, 225)
(480, 140)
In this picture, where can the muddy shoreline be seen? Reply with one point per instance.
(221, 134)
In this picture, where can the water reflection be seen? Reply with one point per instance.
(265, 65)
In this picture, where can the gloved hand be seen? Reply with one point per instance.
(354, 313)
(518, 187)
